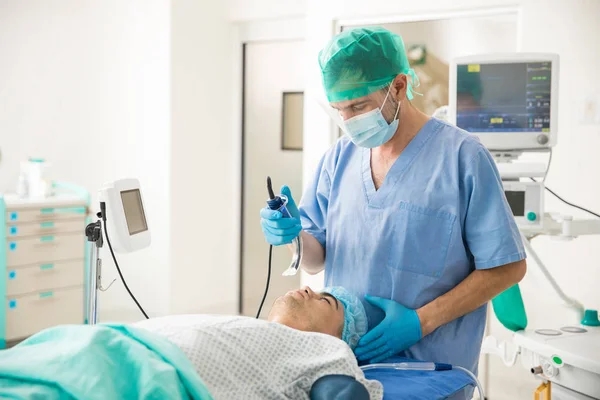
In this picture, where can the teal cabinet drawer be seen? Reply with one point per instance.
(44, 249)
(45, 214)
(24, 229)
(36, 278)
(28, 314)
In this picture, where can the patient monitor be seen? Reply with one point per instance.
(510, 101)
(122, 220)
(125, 217)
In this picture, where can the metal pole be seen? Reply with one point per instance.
(92, 285)
(94, 234)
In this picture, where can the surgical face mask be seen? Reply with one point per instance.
(371, 129)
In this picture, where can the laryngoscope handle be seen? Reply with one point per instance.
(297, 242)
(278, 203)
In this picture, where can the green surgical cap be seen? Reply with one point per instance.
(355, 316)
(360, 61)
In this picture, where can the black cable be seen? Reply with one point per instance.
(268, 280)
(566, 202)
(103, 209)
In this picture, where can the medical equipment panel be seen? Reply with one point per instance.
(42, 263)
(526, 200)
(510, 101)
(568, 356)
(125, 216)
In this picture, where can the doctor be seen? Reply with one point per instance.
(405, 210)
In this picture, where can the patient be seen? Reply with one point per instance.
(190, 356)
(243, 357)
(334, 311)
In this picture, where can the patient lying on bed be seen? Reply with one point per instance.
(242, 357)
(196, 356)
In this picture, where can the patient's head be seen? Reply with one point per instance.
(333, 311)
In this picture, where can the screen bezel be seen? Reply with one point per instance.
(505, 141)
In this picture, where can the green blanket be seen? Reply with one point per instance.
(98, 362)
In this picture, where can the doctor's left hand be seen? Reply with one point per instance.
(400, 329)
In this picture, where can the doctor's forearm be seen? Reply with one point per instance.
(313, 254)
(477, 289)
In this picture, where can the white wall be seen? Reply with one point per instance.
(204, 239)
(92, 78)
(244, 10)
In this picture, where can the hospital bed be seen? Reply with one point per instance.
(49, 366)
(405, 385)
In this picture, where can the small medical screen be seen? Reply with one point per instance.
(516, 201)
(134, 211)
(508, 97)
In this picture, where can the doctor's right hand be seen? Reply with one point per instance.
(279, 230)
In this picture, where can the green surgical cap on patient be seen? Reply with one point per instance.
(360, 61)
(355, 316)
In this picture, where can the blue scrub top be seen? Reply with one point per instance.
(440, 214)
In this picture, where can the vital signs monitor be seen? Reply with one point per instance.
(509, 101)
(125, 216)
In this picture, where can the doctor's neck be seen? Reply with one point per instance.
(411, 120)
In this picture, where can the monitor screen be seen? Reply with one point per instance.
(516, 201)
(134, 211)
(504, 97)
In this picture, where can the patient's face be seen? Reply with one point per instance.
(308, 311)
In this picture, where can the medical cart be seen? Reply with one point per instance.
(42, 262)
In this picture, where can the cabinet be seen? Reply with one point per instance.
(42, 263)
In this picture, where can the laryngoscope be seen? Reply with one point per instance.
(278, 203)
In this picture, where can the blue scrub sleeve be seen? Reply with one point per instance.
(314, 204)
(490, 229)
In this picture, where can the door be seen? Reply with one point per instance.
(272, 146)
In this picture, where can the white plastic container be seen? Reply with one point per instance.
(22, 191)
(37, 181)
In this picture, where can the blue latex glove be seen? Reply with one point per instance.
(400, 329)
(277, 229)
